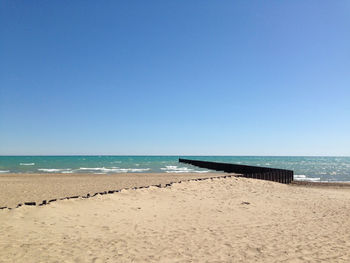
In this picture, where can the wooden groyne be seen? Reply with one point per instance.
(263, 173)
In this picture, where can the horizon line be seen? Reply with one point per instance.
(163, 155)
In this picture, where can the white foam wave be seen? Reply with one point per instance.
(126, 170)
(67, 172)
(2, 171)
(54, 170)
(302, 177)
(175, 169)
(91, 169)
(27, 164)
(114, 169)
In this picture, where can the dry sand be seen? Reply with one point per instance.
(219, 220)
(19, 188)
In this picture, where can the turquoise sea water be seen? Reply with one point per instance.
(305, 168)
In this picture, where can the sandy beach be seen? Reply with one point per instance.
(214, 220)
(20, 188)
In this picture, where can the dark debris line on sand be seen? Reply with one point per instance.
(45, 202)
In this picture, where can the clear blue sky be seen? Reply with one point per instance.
(175, 77)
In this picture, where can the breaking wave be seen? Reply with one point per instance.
(54, 170)
(302, 177)
(175, 169)
(114, 169)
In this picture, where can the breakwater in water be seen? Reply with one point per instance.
(306, 168)
(263, 173)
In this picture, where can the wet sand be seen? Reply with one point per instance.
(334, 185)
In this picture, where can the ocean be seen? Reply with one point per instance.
(327, 169)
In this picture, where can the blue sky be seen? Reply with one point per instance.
(175, 77)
